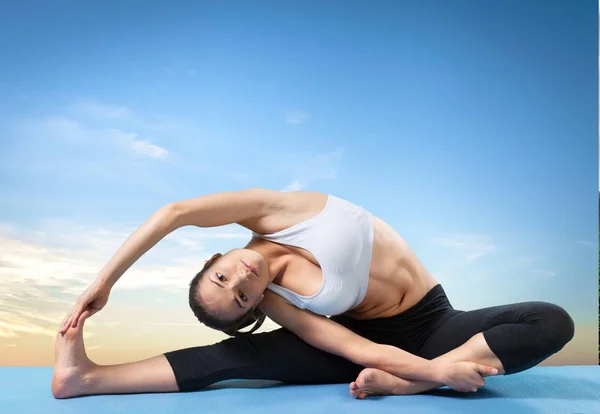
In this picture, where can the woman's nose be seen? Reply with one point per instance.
(243, 277)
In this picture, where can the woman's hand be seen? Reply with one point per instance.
(465, 376)
(92, 299)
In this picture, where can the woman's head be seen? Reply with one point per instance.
(225, 294)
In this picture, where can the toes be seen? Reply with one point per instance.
(360, 382)
(355, 391)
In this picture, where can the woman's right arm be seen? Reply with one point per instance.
(254, 206)
(95, 297)
(210, 210)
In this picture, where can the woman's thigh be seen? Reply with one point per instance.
(520, 334)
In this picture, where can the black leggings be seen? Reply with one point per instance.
(521, 335)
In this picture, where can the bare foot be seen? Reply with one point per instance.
(372, 381)
(71, 364)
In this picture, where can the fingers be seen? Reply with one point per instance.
(75, 318)
(66, 324)
(480, 383)
(486, 370)
(63, 324)
(84, 315)
(79, 307)
(468, 388)
(67, 321)
(478, 380)
(71, 319)
(474, 384)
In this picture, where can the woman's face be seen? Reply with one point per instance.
(234, 284)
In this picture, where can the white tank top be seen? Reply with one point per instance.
(340, 238)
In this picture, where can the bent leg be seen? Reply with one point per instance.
(510, 338)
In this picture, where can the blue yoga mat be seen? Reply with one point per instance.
(556, 390)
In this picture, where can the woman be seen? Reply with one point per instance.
(391, 331)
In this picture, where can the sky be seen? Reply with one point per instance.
(470, 127)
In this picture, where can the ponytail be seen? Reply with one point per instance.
(255, 316)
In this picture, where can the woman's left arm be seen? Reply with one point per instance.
(329, 336)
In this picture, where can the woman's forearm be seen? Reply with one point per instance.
(159, 225)
(405, 386)
(402, 364)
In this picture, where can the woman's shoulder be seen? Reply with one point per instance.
(287, 208)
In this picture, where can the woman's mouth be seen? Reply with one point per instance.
(251, 268)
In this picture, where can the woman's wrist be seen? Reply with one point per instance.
(433, 371)
(105, 281)
(405, 365)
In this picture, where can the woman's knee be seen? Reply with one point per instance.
(558, 328)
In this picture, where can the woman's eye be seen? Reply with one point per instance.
(243, 297)
(221, 277)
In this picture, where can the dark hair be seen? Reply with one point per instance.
(231, 328)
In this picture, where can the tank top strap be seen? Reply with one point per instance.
(300, 234)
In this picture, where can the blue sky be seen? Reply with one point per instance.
(471, 127)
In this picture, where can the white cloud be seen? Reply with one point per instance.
(6, 331)
(137, 145)
(308, 168)
(63, 127)
(71, 152)
(97, 111)
(295, 185)
(10, 345)
(470, 247)
(102, 111)
(24, 328)
(68, 256)
(49, 267)
(14, 324)
(296, 117)
(81, 137)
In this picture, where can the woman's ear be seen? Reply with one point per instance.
(212, 259)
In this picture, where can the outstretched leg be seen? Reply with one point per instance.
(277, 355)
(510, 338)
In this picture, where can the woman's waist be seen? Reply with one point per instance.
(389, 297)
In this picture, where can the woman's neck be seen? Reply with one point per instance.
(272, 254)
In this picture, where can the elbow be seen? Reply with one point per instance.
(170, 215)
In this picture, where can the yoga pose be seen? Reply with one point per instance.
(355, 305)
